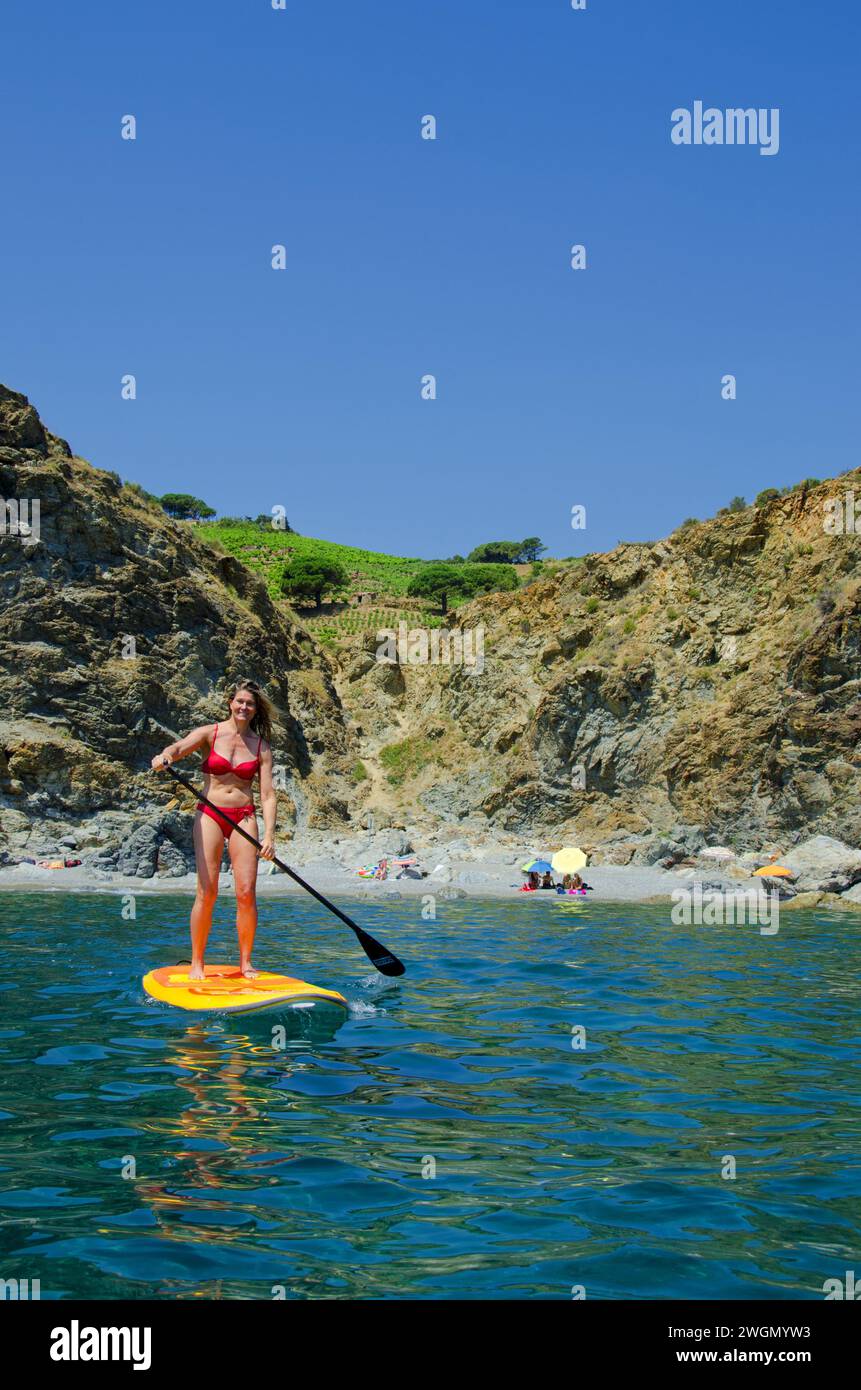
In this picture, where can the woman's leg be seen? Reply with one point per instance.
(243, 858)
(208, 849)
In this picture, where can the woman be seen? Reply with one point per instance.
(243, 750)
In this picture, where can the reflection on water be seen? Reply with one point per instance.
(453, 1137)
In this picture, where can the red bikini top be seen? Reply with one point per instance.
(220, 766)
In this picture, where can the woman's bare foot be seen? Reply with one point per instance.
(197, 972)
(248, 971)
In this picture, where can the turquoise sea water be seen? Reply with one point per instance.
(447, 1140)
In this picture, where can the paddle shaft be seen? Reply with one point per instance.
(385, 962)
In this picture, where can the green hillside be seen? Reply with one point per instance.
(266, 551)
(376, 594)
(381, 580)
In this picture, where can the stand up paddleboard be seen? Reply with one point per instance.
(226, 991)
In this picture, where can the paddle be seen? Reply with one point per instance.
(385, 962)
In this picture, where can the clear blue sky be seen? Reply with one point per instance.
(451, 257)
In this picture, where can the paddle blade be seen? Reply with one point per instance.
(383, 960)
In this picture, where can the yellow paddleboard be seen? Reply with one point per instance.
(226, 991)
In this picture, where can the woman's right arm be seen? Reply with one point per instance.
(176, 751)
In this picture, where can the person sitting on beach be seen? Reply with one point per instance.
(578, 886)
(530, 885)
(565, 885)
(547, 881)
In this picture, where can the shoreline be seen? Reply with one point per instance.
(463, 881)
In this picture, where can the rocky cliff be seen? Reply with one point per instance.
(119, 631)
(703, 687)
(644, 701)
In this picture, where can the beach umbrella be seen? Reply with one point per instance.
(774, 871)
(568, 861)
(536, 866)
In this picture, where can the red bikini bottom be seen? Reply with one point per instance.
(228, 817)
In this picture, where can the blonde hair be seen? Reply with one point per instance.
(264, 714)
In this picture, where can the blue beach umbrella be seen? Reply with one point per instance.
(536, 866)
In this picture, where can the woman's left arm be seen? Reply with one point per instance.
(268, 802)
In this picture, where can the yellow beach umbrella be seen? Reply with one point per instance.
(568, 861)
(774, 871)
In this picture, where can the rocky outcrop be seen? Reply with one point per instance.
(823, 865)
(711, 680)
(120, 630)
